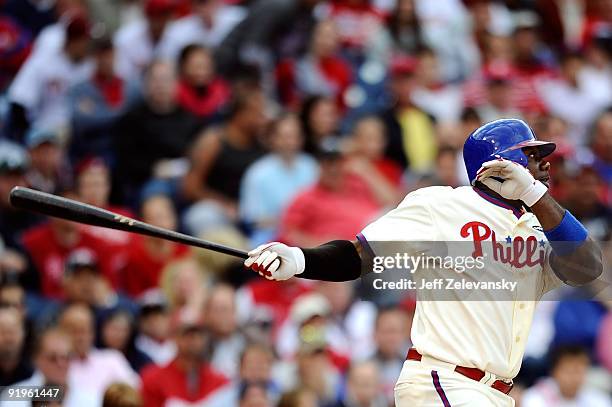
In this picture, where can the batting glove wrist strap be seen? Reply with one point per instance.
(534, 193)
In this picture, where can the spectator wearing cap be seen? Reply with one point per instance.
(226, 340)
(574, 98)
(498, 92)
(49, 245)
(137, 43)
(97, 104)
(14, 163)
(49, 171)
(271, 182)
(147, 256)
(411, 139)
(51, 357)
(218, 160)
(319, 213)
(14, 361)
(155, 130)
(117, 331)
(91, 369)
(321, 71)
(207, 25)
(154, 329)
(566, 383)
(200, 90)
(188, 378)
(38, 95)
(83, 283)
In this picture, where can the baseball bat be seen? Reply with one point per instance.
(69, 209)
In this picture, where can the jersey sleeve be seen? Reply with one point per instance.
(411, 221)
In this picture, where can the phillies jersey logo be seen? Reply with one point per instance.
(518, 252)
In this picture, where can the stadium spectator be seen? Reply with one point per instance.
(601, 145)
(271, 182)
(49, 244)
(392, 337)
(411, 139)
(256, 366)
(15, 363)
(300, 397)
(38, 95)
(13, 295)
(138, 42)
(51, 357)
(154, 330)
(200, 91)
(185, 285)
(321, 71)
(366, 159)
(566, 384)
(97, 104)
(498, 104)
(357, 20)
(320, 122)
(121, 395)
(207, 26)
(402, 34)
(253, 395)
(188, 378)
(156, 129)
(219, 159)
(363, 387)
(319, 214)
(48, 170)
(83, 283)
(147, 256)
(117, 332)
(92, 370)
(226, 340)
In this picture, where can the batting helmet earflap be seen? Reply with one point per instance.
(501, 138)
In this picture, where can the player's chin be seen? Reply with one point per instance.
(545, 180)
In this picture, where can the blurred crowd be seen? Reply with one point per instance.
(245, 121)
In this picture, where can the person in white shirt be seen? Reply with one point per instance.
(92, 370)
(138, 42)
(208, 25)
(468, 343)
(566, 385)
(52, 360)
(39, 93)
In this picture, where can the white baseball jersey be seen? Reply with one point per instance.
(487, 334)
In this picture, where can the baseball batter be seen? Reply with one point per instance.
(466, 353)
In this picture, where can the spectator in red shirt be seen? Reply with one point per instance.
(199, 90)
(188, 378)
(320, 71)
(49, 245)
(148, 255)
(319, 214)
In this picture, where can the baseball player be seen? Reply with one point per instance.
(466, 353)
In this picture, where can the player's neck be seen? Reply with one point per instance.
(514, 203)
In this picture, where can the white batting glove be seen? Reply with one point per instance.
(276, 261)
(518, 183)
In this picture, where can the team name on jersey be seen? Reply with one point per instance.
(518, 251)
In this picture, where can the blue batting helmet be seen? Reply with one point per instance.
(501, 138)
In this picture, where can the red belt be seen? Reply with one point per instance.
(470, 372)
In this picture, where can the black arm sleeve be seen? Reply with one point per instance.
(337, 260)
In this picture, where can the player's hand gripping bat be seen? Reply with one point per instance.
(69, 209)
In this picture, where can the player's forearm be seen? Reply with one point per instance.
(576, 258)
(338, 260)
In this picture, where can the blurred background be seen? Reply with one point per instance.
(248, 121)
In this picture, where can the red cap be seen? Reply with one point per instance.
(77, 27)
(155, 8)
(402, 65)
